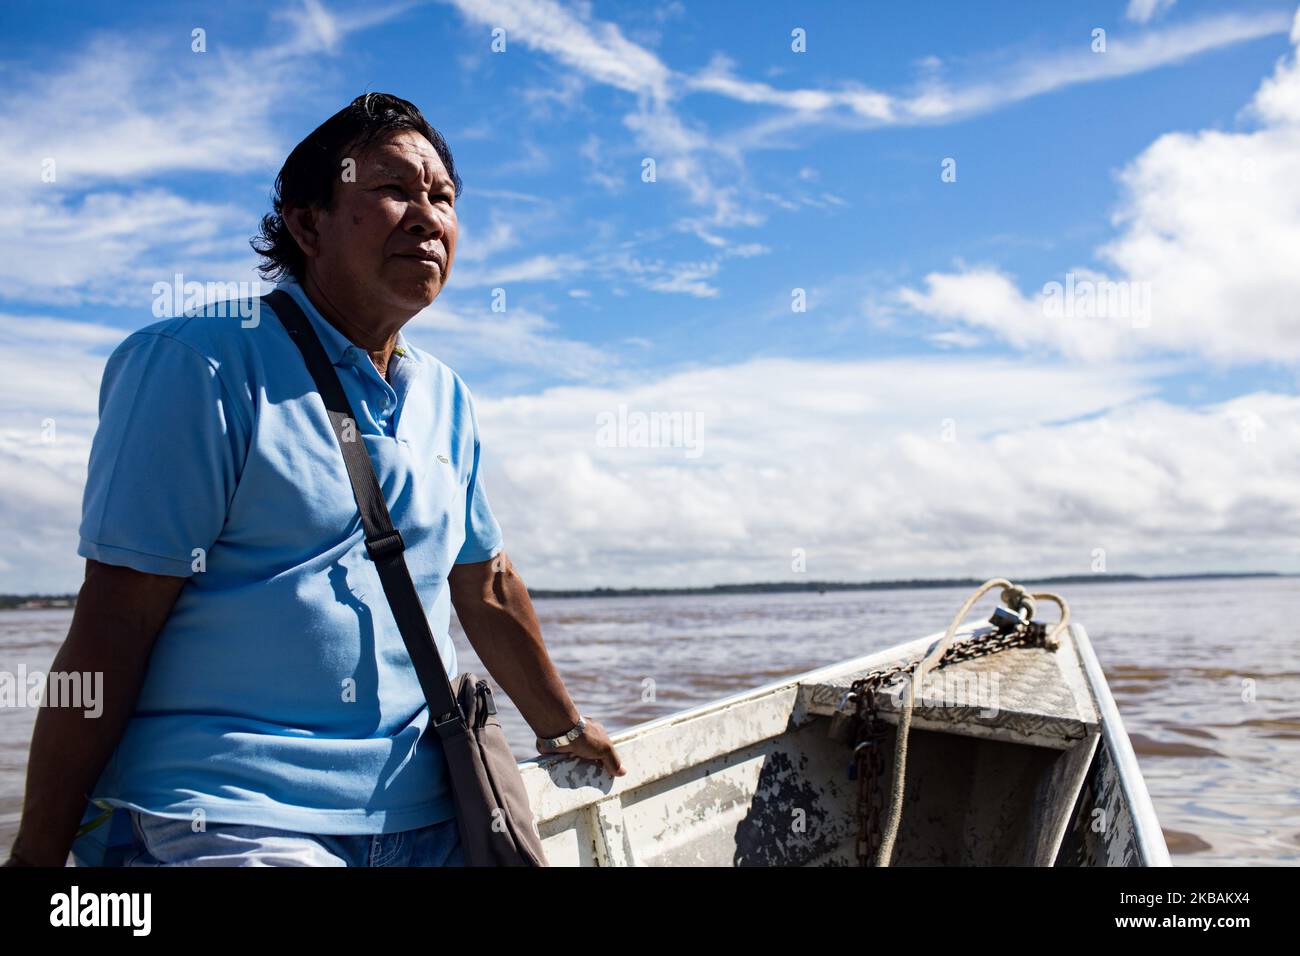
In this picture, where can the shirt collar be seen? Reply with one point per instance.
(337, 345)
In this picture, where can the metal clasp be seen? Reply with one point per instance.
(1006, 621)
(385, 546)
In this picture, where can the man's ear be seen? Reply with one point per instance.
(301, 223)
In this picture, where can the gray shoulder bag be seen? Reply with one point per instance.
(495, 821)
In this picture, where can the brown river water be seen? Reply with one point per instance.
(1223, 766)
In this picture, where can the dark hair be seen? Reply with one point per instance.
(309, 174)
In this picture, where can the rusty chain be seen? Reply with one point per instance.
(870, 730)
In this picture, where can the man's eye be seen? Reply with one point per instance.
(392, 186)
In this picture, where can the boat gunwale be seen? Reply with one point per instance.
(1146, 825)
(894, 652)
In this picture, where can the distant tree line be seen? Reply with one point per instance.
(11, 601)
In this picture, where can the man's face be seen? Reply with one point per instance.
(391, 236)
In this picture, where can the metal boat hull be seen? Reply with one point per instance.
(1040, 773)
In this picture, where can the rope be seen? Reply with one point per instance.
(1013, 596)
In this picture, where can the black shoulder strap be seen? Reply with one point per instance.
(383, 541)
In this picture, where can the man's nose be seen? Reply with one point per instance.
(424, 219)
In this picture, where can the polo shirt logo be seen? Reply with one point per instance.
(444, 459)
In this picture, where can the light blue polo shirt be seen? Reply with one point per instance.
(279, 692)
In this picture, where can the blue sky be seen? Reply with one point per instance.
(890, 429)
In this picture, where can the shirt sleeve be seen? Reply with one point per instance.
(165, 459)
(482, 532)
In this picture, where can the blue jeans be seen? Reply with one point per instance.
(162, 841)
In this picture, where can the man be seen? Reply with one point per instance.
(254, 677)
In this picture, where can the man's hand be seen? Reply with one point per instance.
(497, 615)
(593, 744)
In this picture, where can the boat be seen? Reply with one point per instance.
(1015, 756)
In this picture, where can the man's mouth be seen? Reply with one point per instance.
(422, 255)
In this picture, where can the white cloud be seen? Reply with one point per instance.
(984, 298)
(1209, 224)
(114, 118)
(533, 160)
(600, 169)
(52, 367)
(845, 460)
(318, 29)
(691, 158)
(122, 108)
(539, 268)
(597, 49)
(954, 337)
(718, 78)
(111, 246)
(848, 461)
(118, 111)
(687, 278)
(49, 389)
(565, 93)
(501, 235)
(1143, 10)
(1124, 56)
(710, 167)
(656, 275)
(517, 337)
(41, 507)
(855, 106)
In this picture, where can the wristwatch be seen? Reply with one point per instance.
(564, 739)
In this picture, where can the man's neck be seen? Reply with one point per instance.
(377, 339)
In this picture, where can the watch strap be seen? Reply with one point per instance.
(565, 738)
